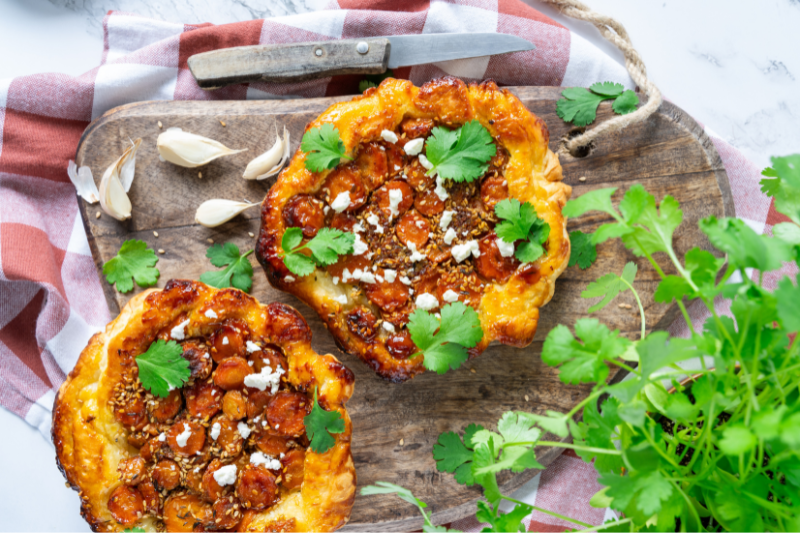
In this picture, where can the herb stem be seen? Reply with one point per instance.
(555, 444)
(545, 511)
(688, 320)
(638, 302)
(604, 526)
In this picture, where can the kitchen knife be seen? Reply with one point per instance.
(370, 55)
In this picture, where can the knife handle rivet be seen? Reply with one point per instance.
(318, 52)
(362, 47)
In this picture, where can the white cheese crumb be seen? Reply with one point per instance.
(424, 162)
(250, 363)
(244, 430)
(447, 218)
(178, 332)
(211, 314)
(390, 275)
(395, 197)
(462, 251)
(449, 236)
(404, 280)
(183, 438)
(389, 136)
(224, 341)
(162, 437)
(397, 167)
(358, 227)
(464, 233)
(226, 475)
(264, 378)
(359, 246)
(375, 221)
(440, 191)
(420, 224)
(361, 275)
(506, 248)
(388, 326)
(258, 458)
(335, 280)
(450, 296)
(326, 209)
(341, 202)
(378, 277)
(414, 146)
(381, 148)
(289, 279)
(341, 299)
(426, 301)
(215, 429)
(415, 255)
(252, 347)
(282, 455)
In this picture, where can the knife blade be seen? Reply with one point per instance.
(371, 55)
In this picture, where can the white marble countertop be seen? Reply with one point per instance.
(732, 64)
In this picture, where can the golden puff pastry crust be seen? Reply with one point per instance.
(141, 461)
(399, 212)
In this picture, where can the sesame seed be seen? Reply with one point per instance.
(582, 178)
(472, 370)
(161, 251)
(97, 215)
(160, 125)
(251, 234)
(223, 123)
(210, 241)
(200, 175)
(526, 398)
(155, 234)
(402, 441)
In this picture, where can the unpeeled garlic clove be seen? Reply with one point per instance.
(212, 213)
(189, 150)
(270, 162)
(83, 181)
(113, 192)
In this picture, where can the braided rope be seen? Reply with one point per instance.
(614, 33)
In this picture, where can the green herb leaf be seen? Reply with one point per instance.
(134, 261)
(162, 368)
(596, 200)
(452, 455)
(323, 147)
(502, 522)
(658, 226)
(607, 88)
(320, 424)
(625, 103)
(745, 248)
(326, 247)
(579, 105)
(460, 328)
(462, 154)
(645, 493)
(238, 272)
(609, 286)
(363, 85)
(788, 296)
(737, 440)
(383, 487)
(520, 222)
(374, 80)
(583, 252)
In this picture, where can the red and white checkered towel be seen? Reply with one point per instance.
(51, 300)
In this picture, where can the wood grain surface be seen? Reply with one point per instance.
(669, 154)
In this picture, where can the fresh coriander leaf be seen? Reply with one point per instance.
(363, 85)
(643, 493)
(383, 487)
(462, 154)
(323, 147)
(374, 80)
(515, 427)
(134, 261)
(737, 440)
(607, 88)
(320, 424)
(745, 248)
(460, 328)
(787, 232)
(634, 202)
(552, 421)
(299, 264)
(484, 457)
(326, 247)
(134, 529)
(579, 106)
(502, 522)
(788, 296)
(583, 252)
(788, 169)
(470, 432)
(450, 454)
(162, 368)
(596, 200)
(658, 227)
(291, 239)
(609, 286)
(672, 288)
(625, 103)
(785, 188)
(680, 408)
(528, 252)
(520, 222)
(238, 272)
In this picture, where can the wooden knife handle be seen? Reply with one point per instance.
(293, 62)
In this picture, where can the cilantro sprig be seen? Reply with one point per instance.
(583, 251)
(134, 261)
(520, 222)
(579, 105)
(461, 154)
(238, 271)
(162, 368)
(384, 487)
(323, 147)
(374, 80)
(444, 342)
(320, 425)
(326, 247)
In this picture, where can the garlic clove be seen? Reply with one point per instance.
(127, 169)
(83, 181)
(212, 213)
(113, 189)
(270, 162)
(189, 150)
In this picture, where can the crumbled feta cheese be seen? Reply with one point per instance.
(258, 458)
(378, 277)
(211, 314)
(264, 378)
(462, 251)
(183, 438)
(375, 221)
(244, 430)
(506, 248)
(424, 162)
(395, 197)
(225, 475)
(335, 280)
(415, 255)
(388, 326)
(440, 191)
(289, 279)
(252, 347)
(341, 299)
(447, 218)
(326, 209)
(341, 202)
(414, 146)
(389, 136)
(361, 275)
(465, 233)
(450, 296)
(224, 341)
(404, 280)
(390, 275)
(358, 227)
(420, 224)
(426, 301)
(215, 429)
(282, 455)
(397, 167)
(359, 246)
(346, 275)
(179, 332)
(381, 148)
(250, 363)
(449, 236)
(162, 437)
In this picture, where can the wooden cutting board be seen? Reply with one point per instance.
(669, 154)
